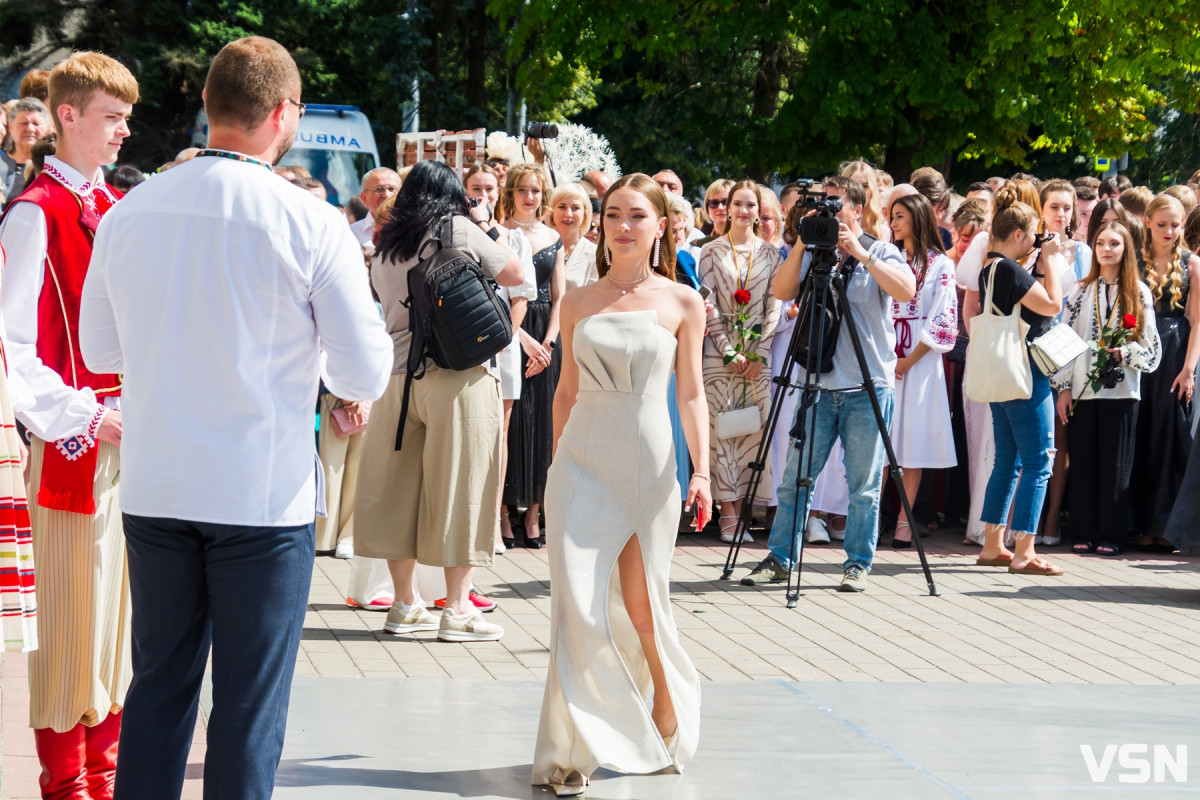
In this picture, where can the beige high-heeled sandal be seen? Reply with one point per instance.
(573, 785)
(728, 531)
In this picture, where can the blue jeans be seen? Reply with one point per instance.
(1024, 432)
(241, 589)
(848, 415)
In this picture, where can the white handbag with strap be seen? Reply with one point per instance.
(1056, 348)
(997, 367)
(739, 421)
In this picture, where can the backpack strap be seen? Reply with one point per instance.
(849, 263)
(419, 333)
(408, 379)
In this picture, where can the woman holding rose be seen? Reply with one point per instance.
(1099, 391)
(739, 268)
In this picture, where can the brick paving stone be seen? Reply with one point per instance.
(334, 665)
(1132, 619)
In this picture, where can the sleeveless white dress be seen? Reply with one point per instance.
(613, 475)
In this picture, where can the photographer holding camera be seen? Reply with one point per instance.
(878, 275)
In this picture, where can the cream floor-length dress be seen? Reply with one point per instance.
(613, 475)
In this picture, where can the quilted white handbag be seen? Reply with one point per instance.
(1056, 348)
(739, 421)
(997, 359)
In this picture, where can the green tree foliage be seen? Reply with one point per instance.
(360, 52)
(707, 87)
(904, 81)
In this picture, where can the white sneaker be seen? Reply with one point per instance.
(467, 627)
(344, 549)
(816, 532)
(409, 620)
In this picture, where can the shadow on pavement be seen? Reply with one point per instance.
(505, 782)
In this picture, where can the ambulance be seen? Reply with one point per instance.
(334, 143)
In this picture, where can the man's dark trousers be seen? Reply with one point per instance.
(241, 589)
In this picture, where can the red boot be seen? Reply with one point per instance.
(101, 760)
(63, 756)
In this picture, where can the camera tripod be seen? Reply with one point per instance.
(824, 274)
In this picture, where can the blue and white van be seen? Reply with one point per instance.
(334, 143)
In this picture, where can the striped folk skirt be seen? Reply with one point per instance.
(18, 599)
(81, 669)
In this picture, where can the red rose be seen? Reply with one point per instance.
(741, 297)
(1130, 322)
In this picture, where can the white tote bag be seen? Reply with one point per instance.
(997, 358)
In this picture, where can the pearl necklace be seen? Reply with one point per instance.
(526, 225)
(630, 284)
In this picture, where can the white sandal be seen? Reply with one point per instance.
(727, 532)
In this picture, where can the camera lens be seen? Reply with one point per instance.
(541, 130)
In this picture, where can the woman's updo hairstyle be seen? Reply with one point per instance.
(1011, 213)
(642, 183)
(972, 213)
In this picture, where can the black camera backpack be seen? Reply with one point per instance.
(831, 322)
(454, 315)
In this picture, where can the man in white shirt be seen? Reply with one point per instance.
(222, 294)
(377, 185)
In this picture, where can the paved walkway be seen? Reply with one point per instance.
(1131, 620)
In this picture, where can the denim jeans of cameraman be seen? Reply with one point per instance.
(847, 415)
(1024, 432)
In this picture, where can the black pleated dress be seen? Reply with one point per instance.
(531, 430)
(1164, 425)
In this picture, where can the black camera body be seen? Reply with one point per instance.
(541, 130)
(820, 228)
(1111, 373)
(474, 201)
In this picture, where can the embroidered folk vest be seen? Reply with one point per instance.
(70, 230)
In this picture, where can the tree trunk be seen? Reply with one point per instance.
(773, 58)
(476, 58)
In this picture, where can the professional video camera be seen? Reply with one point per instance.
(819, 228)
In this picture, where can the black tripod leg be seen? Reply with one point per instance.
(881, 423)
(806, 428)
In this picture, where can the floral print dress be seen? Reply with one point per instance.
(748, 274)
(921, 431)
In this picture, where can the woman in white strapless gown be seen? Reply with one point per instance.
(621, 692)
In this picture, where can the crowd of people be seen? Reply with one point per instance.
(150, 522)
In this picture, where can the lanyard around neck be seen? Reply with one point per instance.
(749, 265)
(1112, 312)
(210, 152)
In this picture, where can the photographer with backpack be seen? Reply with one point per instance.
(429, 485)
